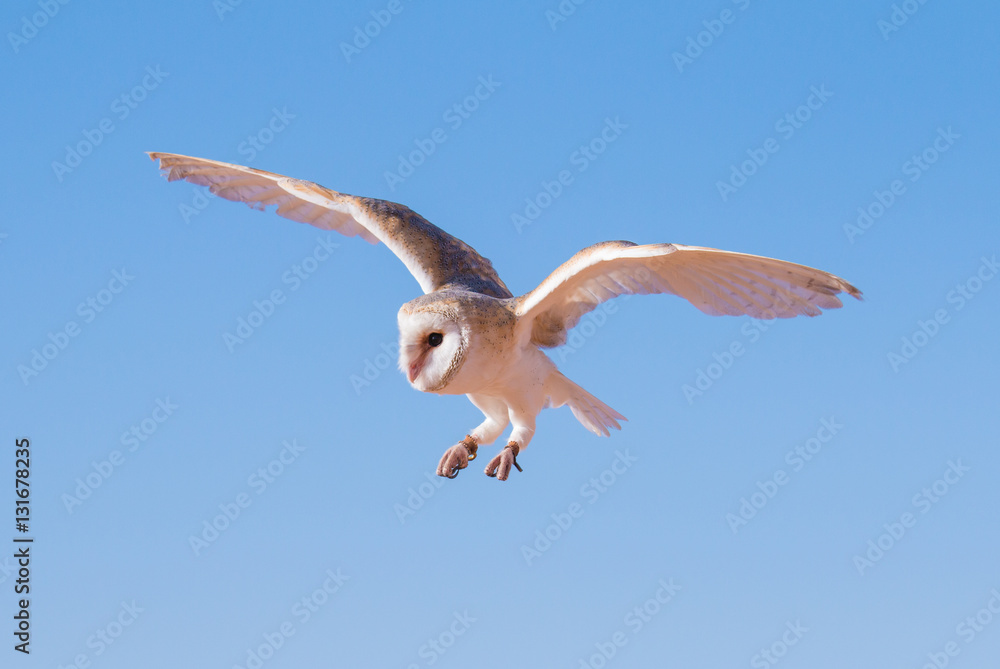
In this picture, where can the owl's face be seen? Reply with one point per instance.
(432, 346)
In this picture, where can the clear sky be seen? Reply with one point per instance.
(812, 493)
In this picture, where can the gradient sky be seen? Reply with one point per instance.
(849, 136)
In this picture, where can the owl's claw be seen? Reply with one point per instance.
(499, 466)
(457, 458)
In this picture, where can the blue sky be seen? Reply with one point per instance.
(814, 492)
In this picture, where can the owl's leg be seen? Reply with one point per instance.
(524, 429)
(458, 456)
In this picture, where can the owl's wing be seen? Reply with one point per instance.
(435, 258)
(717, 282)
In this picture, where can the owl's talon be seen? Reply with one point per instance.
(457, 458)
(500, 465)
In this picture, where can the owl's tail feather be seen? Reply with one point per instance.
(592, 413)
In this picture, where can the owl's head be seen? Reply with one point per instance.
(432, 345)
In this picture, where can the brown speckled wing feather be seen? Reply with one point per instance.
(436, 259)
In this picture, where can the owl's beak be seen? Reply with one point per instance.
(417, 365)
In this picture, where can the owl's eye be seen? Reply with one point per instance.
(435, 338)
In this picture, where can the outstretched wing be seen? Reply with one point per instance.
(717, 282)
(435, 259)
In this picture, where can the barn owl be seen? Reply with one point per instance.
(468, 334)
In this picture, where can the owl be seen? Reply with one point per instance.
(469, 335)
